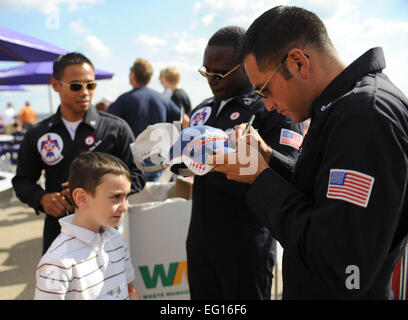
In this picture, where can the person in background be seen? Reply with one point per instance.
(142, 106)
(27, 116)
(104, 104)
(89, 246)
(8, 119)
(52, 144)
(170, 79)
(101, 106)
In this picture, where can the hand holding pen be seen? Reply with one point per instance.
(249, 124)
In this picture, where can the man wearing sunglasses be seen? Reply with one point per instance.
(52, 144)
(230, 253)
(342, 218)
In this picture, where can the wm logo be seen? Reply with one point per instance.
(172, 278)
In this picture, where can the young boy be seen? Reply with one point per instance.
(89, 259)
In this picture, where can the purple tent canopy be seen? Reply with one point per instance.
(37, 73)
(15, 46)
(11, 88)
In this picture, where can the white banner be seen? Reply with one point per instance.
(156, 233)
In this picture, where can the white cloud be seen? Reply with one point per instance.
(78, 28)
(44, 6)
(208, 19)
(95, 48)
(376, 28)
(188, 45)
(197, 6)
(150, 40)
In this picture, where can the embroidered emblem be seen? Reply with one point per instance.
(95, 145)
(324, 108)
(291, 138)
(117, 291)
(50, 147)
(89, 140)
(200, 116)
(351, 186)
(234, 116)
(248, 101)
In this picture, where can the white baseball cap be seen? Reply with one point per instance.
(151, 148)
(188, 155)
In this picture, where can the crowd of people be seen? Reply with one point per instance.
(335, 198)
(12, 121)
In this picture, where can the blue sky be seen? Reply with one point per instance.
(114, 33)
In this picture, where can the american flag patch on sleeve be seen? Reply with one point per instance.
(351, 186)
(291, 138)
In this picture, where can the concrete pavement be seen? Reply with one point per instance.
(20, 250)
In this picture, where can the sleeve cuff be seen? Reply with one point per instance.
(282, 164)
(258, 200)
(36, 201)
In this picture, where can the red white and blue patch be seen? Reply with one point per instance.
(291, 138)
(50, 146)
(200, 116)
(89, 140)
(234, 116)
(351, 186)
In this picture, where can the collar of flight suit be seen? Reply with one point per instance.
(245, 98)
(371, 61)
(91, 118)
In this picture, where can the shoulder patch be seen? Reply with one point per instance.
(50, 146)
(351, 186)
(291, 138)
(200, 116)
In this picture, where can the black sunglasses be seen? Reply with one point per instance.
(77, 86)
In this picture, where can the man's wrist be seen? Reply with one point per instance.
(267, 153)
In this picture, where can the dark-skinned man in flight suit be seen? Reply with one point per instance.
(229, 251)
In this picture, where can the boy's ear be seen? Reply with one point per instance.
(80, 197)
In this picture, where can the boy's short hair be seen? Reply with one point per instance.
(88, 169)
(66, 60)
(171, 74)
(143, 71)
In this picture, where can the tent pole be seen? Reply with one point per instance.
(50, 99)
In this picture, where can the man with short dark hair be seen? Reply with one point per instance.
(53, 143)
(342, 218)
(230, 253)
(143, 106)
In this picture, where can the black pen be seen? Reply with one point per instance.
(249, 124)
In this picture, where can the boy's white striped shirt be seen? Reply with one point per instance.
(81, 264)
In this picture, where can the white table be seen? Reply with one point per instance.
(6, 138)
